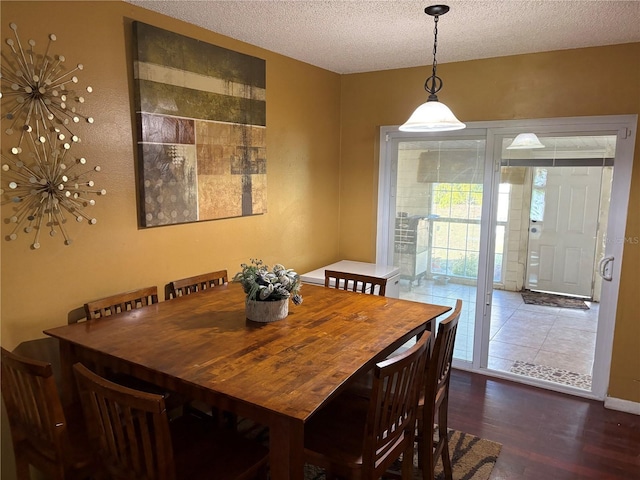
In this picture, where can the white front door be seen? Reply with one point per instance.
(563, 227)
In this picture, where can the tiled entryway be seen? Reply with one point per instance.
(550, 343)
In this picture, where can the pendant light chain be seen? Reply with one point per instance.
(434, 83)
(435, 45)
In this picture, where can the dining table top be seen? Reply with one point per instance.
(276, 373)
(291, 366)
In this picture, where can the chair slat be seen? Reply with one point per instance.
(355, 282)
(121, 302)
(186, 286)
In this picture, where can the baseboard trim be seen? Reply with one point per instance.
(622, 405)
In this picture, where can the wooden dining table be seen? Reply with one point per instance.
(277, 374)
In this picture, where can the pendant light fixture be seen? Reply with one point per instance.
(433, 116)
(525, 141)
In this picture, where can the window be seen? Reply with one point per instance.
(456, 209)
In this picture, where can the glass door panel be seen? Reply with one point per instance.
(554, 210)
(438, 205)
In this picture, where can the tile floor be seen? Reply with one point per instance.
(547, 342)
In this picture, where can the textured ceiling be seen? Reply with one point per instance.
(349, 36)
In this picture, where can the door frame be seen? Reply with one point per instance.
(624, 127)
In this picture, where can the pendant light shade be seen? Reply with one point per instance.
(433, 116)
(525, 141)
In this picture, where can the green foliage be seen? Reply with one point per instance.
(262, 284)
(466, 266)
(447, 195)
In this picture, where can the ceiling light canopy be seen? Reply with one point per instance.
(433, 116)
(525, 141)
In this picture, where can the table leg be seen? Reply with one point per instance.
(286, 449)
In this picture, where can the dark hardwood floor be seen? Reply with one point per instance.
(545, 435)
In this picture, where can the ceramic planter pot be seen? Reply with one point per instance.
(267, 311)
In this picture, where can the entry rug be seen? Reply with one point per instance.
(472, 458)
(550, 300)
(551, 374)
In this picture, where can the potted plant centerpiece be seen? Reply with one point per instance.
(268, 291)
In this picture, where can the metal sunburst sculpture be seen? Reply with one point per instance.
(46, 183)
(35, 89)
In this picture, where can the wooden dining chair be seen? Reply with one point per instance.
(185, 286)
(44, 435)
(358, 437)
(132, 439)
(355, 282)
(434, 400)
(121, 302)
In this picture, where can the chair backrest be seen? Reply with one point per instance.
(439, 365)
(185, 286)
(121, 302)
(36, 419)
(355, 282)
(128, 429)
(391, 418)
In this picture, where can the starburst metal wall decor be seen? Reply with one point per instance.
(44, 182)
(47, 184)
(34, 89)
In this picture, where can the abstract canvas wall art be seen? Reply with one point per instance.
(201, 112)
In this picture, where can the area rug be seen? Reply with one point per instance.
(550, 300)
(472, 458)
(551, 374)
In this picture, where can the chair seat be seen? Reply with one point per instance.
(336, 431)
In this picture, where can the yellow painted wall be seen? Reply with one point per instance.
(40, 287)
(321, 190)
(593, 81)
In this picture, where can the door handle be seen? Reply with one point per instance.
(603, 271)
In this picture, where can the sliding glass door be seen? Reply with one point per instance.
(465, 217)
